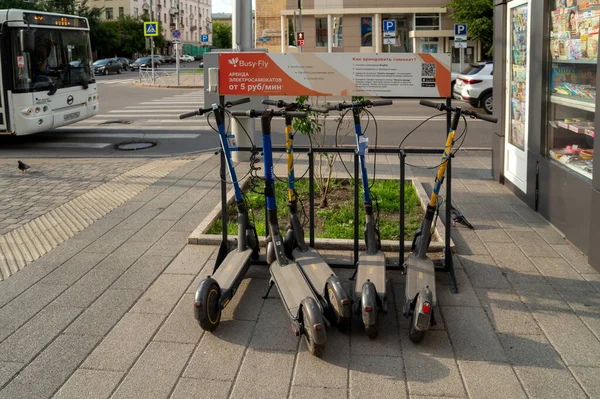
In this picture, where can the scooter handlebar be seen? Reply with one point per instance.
(237, 102)
(472, 114)
(378, 103)
(431, 104)
(293, 114)
(189, 114)
(274, 103)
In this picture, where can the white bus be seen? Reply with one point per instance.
(47, 79)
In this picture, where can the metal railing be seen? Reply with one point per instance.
(445, 265)
(168, 76)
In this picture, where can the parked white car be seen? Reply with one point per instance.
(474, 85)
(186, 58)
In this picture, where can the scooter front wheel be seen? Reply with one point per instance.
(207, 305)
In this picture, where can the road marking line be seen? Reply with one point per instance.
(68, 145)
(134, 135)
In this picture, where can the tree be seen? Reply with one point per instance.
(221, 35)
(6, 4)
(479, 16)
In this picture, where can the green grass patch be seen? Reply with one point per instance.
(337, 219)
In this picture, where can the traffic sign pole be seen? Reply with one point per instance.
(460, 41)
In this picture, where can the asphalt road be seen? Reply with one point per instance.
(131, 113)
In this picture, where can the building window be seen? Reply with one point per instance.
(321, 32)
(429, 45)
(109, 13)
(366, 31)
(427, 21)
(121, 12)
(135, 12)
(337, 31)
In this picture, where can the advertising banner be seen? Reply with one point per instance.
(337, 74)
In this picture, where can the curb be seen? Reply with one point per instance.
(167, 86)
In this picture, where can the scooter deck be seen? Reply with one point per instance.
(420, 272)
(292, 286)
(316, 270)
(232, 266)
(371, 267)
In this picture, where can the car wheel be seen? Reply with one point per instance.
(487, 103)
(119, 71)
(106, 72)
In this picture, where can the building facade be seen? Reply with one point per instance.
(194, 16)
(268, 24)
(357, 26)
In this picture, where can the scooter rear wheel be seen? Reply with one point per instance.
(336, 309)
(309, 334)
(209, 311)
(373, 329)
(415, 335)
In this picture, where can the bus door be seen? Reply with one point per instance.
(3, 105)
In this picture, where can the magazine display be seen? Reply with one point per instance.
(574, 54)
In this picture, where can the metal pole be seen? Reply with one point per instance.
(311, 191)
(299, 21)
(242, 37)
(461, 57)
(152, 43)
(177, 46)
(402, 208)
(356, 177)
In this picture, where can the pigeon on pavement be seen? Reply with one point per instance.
(23, 166)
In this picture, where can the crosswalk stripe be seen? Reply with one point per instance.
(156, 136)
(58, 144)
(137, 127)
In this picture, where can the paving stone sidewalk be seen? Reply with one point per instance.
(108, 313)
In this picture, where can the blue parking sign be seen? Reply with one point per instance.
(389, 25)
(203, 38)
(460, 29)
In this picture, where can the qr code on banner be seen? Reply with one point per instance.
(428, 69)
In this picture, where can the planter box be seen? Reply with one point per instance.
(199, 236)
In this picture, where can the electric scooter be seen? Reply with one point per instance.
(216, 291)
(322, 279)
(370, 280)
(298, 296)
(420, 295)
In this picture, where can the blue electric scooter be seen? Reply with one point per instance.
(299, 298)
(370, 296)
(216, 291)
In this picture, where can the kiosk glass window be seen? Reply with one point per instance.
(573, 55)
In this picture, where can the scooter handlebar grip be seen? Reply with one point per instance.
(240, 113)
(322, 110)
(487, 118)
(271, 102)
(431, 104)
(296, 114)
(189, 114)
(378, 103)
(238, 101)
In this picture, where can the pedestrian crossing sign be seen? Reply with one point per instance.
(150, 28)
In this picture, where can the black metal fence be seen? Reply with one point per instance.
(446, 265)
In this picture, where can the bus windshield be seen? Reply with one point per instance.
(61, 58)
